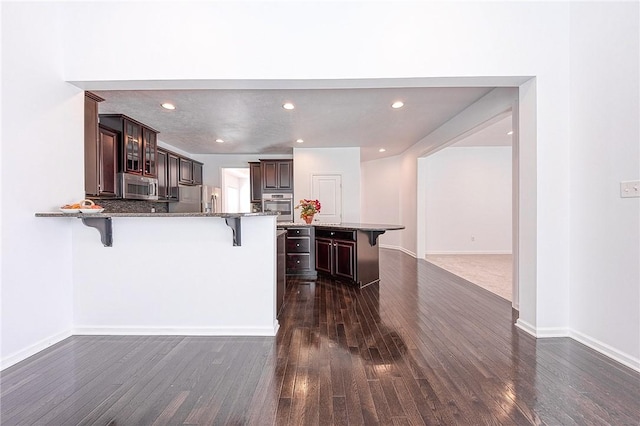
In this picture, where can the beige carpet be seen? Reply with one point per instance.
(493, 272)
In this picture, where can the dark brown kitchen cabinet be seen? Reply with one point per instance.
(161, 168)
(173, 171)
(132, 146)
(324, 255)
(337, 254)
(150, 148)
(100, 152)
(277, 175)
(345, 259)
(190, 172)
(135, 156)
(255, 182)
(300, 252)
(108, 154)
(336, 257)
(197, 173)
(186, 171)
(167, 168)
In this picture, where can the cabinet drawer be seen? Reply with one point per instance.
(296, 232)
(298, 245)
(335, 234)
(298, 261)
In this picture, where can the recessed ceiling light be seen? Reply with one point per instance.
(397, 104)
(510, 132)
(219, 141)
(299, 140)
(288, 106)
(381, 150)
(167, 105)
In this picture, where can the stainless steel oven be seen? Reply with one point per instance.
(279, 203)
(137, 187)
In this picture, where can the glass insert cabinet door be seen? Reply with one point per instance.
(133, 151)
(150, 152)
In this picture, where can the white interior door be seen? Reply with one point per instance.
(328, 190)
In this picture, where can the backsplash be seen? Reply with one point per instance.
(132, 206)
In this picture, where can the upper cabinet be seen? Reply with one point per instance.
(277, 175)
(197, 173)
(190, 172)
(150, 149)
(138, 149)
(100, 152)
(255, 182)
(168, 169)
(186, 171)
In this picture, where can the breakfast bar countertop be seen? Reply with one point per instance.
(344, 226)
(154, 214)
(102, 221)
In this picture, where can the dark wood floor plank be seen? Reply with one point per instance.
(421, 347)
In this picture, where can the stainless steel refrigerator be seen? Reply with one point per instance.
(199, 198)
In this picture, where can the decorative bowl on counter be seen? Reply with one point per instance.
(69, 210)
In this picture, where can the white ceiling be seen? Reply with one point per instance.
(252, 121)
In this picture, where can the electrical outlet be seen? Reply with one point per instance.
(473, 238)
(630, 189)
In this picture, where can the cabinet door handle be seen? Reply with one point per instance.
(297, 245)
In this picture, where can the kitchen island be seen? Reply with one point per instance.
(345, 251)
(173, 273)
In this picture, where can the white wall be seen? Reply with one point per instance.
(605, 150)
(253, 41)
(468, 200)
(315, 161)
(381, 197)
(42, 158)
(195, 282)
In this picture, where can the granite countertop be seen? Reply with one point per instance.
(343, 226)
(193, 214)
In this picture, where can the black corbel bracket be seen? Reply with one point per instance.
(234, 224)
(373, 236)
(103, 225)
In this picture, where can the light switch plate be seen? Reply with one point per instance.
(630, 189)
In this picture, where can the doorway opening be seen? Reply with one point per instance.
(469, 208)
(236, 197)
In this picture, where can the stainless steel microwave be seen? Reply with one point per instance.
(134, 187)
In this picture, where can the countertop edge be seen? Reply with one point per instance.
(193, 214)
(345, 226)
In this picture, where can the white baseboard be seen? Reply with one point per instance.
(33, 349)
(603, 348)
(526, 327)
(402, 249)
(435, 253)
(541, 332)
(176, 331)
(598, 346)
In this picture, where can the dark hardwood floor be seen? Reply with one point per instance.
(422, 347)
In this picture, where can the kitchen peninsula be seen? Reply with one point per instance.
(173, 273)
